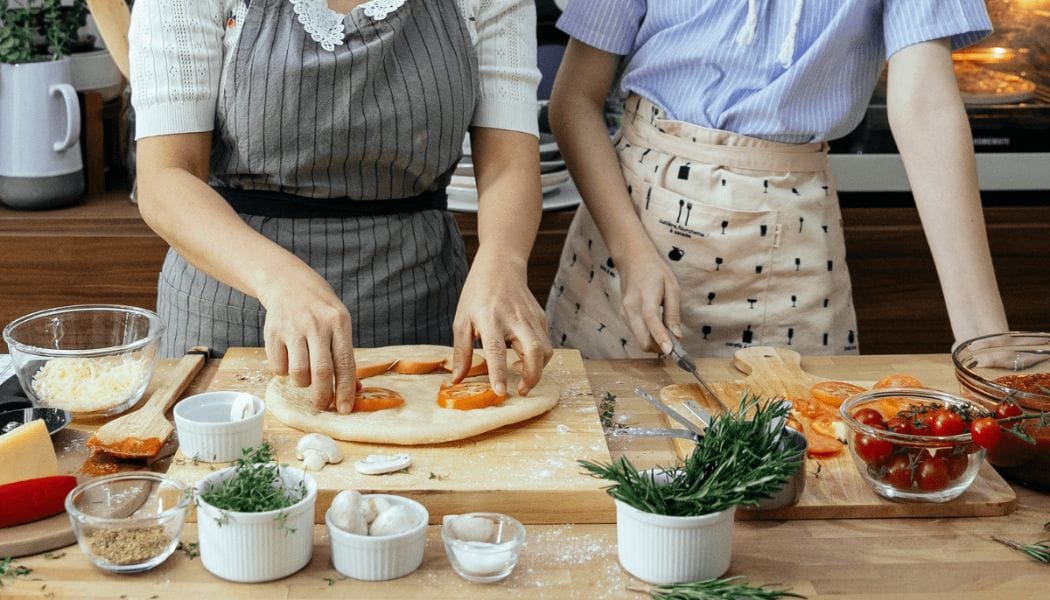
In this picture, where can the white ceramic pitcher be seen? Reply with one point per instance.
(40, 163)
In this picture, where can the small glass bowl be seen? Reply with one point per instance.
(918, 468)
(129, 522)
(482, 559)
(83, 344)
(979, 363)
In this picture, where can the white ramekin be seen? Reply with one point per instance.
(661, 550)
(254, 547)
(206, 432)
(383, 557)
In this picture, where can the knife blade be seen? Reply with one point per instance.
(686, 363)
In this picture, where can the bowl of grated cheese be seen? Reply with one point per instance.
(94, 360)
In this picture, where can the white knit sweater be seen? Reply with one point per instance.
(180, 50)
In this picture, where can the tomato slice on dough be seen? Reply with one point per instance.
(897, 380)
(467, 396)
(417, 367)
(372, 369)
(371, 399)
(478, 366)
(834, 393)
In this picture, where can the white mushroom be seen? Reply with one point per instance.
(243, 406)
(394, 520)
(316, 450)
(372, 506)
(471, 529)
(377, 464)
(346, 512)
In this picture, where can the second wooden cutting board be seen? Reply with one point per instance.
(527, 470)
(834, 488)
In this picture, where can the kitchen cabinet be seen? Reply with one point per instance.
(101, 251)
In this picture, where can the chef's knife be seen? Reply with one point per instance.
(686, 363)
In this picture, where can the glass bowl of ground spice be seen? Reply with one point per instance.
(129, 522)
(1009, 374)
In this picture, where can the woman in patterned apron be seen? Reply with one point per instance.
(295, 155)
(712, 215)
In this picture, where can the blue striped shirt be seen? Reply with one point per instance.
(692, 58)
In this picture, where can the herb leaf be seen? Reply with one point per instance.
(256, 485)
(739, 461)
(731, 588)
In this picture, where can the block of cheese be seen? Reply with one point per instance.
(26, 452)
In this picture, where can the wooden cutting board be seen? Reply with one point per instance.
(527, 470)
(834, 488)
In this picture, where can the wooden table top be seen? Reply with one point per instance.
(853, 559)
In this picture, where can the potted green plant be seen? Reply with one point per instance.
(676, 524)
(40, 163)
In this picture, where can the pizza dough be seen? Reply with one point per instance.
(979, 85)
(420, 420)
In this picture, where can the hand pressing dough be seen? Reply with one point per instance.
(420, 420)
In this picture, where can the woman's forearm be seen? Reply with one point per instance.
(932, 132)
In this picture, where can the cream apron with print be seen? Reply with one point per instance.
(751, 229)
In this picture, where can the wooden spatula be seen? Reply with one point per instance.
(113, 18)
(141, 434)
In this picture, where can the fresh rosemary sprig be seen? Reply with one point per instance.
(739, 461)
(730, 588)
(256, 485)
(607, 412)
(1039, 550)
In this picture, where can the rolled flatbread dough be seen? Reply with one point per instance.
(420, 421)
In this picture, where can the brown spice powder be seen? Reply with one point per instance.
(129, 546)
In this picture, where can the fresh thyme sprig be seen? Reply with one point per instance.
(739, 461)
(1039, 551)
(730, 588)
(256, 485)
(7, 569)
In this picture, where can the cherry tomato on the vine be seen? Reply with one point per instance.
(871, 449)
(868, 416)
(1007, 408)
(986, 432)
(947, 422)
(898, 472)
(900, 425)
(932, 474)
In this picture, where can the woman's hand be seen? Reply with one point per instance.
(496, 304)
(651, 298)
(497, 307)
(308, 337)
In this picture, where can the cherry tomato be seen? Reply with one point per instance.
(900, 425)
(868, 416)
(932, 474)
(986, 432)
(898, 472)
(1007, 408)
(871, 449)
(947, 422)
(957, 464)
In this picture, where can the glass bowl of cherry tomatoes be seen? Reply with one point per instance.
(1009, 374)
(916, 444)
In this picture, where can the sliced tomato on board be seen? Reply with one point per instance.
(372, 369)
(371, 399)
(897, 380)
(834, 393)
(818, 444)
(468, 395)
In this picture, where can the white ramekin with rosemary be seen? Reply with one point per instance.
(255, 519)
(676, 524)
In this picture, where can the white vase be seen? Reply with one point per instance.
(661, 550)
(40, 163)
(254, 547)
(95, 71)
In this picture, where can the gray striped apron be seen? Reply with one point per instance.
(340, 157)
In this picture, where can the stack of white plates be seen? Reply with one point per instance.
(558, 189)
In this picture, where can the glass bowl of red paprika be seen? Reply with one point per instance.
(914, 444)
(1009, 374)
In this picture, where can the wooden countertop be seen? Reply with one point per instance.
(851, 559)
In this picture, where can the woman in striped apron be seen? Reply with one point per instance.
(295, 155)
(712, 215)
